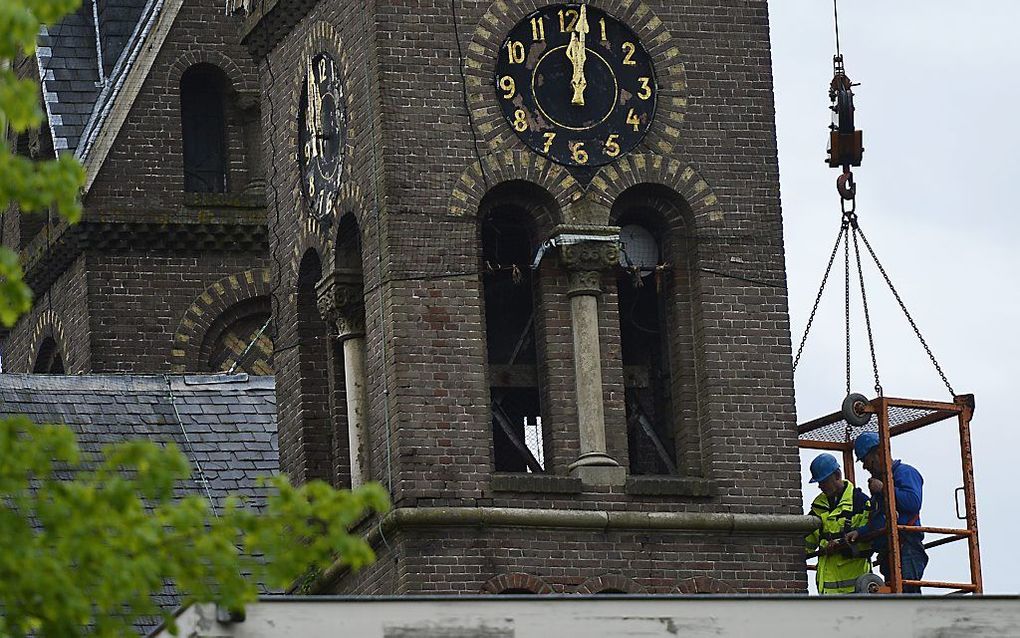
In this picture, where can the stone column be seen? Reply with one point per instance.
(251, 130)
(586, 261)
(342, 303)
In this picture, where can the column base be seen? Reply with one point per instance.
(603, 475)
(598, 468)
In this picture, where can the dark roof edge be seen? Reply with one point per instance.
(135, 382)
(270, 21)
(112, 86)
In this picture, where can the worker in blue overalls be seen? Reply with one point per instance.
(908, 483)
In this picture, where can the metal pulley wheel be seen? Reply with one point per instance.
(853, 409)
(844, 107)
(869, 584)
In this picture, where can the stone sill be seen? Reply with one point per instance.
(539, 483)
(670, 486)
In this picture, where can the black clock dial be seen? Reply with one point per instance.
(321, 131)
(576, 84)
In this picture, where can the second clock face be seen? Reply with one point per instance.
(321, 132)
(576, 85)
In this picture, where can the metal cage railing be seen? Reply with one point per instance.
(891, 417)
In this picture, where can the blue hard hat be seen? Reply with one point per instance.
(864, 444)
(822, 467)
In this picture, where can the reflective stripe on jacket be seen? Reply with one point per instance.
(838, 572)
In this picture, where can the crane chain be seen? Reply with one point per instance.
(818, 297)
(846, 298)
(867, 314)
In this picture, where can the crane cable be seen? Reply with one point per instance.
(850, 231)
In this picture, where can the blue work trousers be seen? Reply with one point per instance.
(913, 560)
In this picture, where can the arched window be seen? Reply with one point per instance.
(240, 339)
(315, 429)
(655, 306)
(203, 129)
(514, 385)
(48, 360)
(349, 378)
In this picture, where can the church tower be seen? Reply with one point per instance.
(528, 261)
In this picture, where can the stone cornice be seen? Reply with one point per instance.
(53, 250)
(269, 22)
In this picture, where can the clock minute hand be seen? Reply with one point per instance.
(577, 54)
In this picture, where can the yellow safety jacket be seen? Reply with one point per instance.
(838, 572)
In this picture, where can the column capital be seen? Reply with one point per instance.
(587, 252)
(585, 247)
(340, 296)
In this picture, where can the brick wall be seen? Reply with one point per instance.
(144, 170)
(492, 560)
(62, 313)
(138, 301)
(712, 146)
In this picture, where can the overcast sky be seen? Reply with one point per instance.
(938, 104)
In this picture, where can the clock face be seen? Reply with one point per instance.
(576, 84)
(321, 131)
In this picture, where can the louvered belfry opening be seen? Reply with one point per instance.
(514, 387)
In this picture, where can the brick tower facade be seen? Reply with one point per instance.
(592, 423)
(167, 270)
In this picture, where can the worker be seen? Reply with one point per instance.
(907, 482)
(842, 508)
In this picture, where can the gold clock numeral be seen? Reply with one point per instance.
(646, 88)
(325, 206)
(612, 146)
(568, 19)
(602, 23)
(311, 186)
(578, 153)
(549, 137)
(515, 51)
(322, 69)
(520, 121)
(633, 120)
(507, 84)
(537, 29)
(629, 49)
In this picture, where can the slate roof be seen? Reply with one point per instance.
(75, 92)
(229, 421)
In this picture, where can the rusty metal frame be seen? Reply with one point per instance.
(962, 408)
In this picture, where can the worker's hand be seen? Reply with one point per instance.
(852, 536)
(875, 485)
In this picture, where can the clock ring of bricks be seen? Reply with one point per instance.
(479, 64)
(322, 37)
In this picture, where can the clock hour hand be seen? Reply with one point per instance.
(577, 54)
(312, 111)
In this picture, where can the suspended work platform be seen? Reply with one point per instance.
(890, 417)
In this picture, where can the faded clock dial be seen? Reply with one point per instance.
(576, 84)
(321, 135)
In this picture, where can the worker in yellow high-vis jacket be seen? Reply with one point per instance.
(842, 509)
